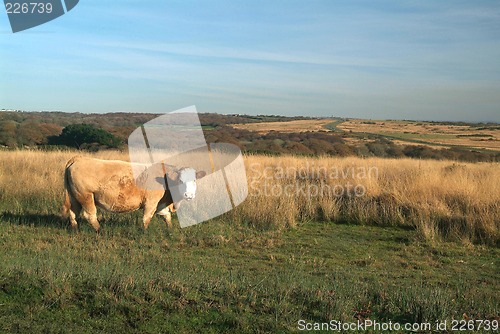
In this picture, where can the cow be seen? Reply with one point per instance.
(110, 184)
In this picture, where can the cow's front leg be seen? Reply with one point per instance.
(168, 218)
(149, 211)
(166, 212)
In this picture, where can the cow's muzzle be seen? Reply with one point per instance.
(188, 196)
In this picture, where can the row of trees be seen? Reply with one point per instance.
(21, 129)
(81, 136)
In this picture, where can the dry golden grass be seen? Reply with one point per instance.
(441, 199)
(34, 176)
(290, 126)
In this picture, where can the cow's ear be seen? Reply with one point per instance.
(200, 174)
(167, 170)
(173, 175)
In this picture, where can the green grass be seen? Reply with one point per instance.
(408, 137)
(217, 277)
(424, 136)
(417, 139)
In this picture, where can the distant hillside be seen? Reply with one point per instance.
(37, 130)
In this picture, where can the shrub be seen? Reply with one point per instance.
(85, 136)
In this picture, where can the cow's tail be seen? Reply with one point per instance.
(66, 205)
(67, 200)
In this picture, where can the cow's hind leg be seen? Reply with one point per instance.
(74, 212)
(71, 209)
(90, 211)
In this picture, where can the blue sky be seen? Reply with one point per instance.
(431, 60)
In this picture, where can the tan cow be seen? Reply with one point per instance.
(110, 184)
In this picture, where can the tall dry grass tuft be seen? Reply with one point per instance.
(442, 200)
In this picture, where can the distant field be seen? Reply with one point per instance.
(429, 133)
(420, 245)
(355, 132)
(286, 126)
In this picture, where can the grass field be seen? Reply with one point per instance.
(472, 137)
(289, 126)
(429, 133)
(420, 244)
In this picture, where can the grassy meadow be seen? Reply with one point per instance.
(478, 136)
(295, 126)
(317, 239)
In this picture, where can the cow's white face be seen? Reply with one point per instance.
(187, 183)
